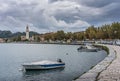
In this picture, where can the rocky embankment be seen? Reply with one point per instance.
(106, 70)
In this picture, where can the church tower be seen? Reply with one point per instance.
(27, 32)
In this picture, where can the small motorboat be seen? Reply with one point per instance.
(43, 65)
(87, 48)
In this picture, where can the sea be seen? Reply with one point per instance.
(13, 55)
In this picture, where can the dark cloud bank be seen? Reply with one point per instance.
(52, 15)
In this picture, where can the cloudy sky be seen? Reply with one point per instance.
(52, 15)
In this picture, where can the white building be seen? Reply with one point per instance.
(27, 33)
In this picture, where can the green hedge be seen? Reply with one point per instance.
(103, 47)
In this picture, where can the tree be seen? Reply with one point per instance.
(91, 32)
(68, 35)
(60, 35)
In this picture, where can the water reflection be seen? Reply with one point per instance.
(42, 75)
(29, 73)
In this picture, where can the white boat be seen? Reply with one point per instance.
(42, 65)
(87, 48)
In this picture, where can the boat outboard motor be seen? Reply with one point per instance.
(59, 60)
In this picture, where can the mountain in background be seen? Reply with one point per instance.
(8, 34)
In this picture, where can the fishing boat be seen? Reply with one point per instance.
(87, 48)
(43, 65)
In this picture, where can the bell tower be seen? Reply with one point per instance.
(27, 32)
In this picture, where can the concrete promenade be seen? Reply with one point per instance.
(106, 70)
(112, 73)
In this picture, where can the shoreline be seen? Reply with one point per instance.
(42, 43)
(94, 73)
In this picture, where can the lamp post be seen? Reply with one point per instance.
(115, 37)
(84, 35)
(115, 34)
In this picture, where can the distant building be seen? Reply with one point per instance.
(27, 32)
(26, 37)
(69, 41)
(42, 38)
(2, 40)
(23, 38)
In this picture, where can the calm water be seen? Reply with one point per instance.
(13, 55)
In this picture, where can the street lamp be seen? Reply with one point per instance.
(115, 33)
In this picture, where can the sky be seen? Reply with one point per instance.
(52, 15)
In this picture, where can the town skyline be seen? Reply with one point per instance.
(106, 31)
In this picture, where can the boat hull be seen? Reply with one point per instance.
(88, 50)
(43, 67)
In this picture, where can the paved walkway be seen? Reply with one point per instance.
(112, 73)
(106, 70)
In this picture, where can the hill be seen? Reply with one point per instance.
(9, 34)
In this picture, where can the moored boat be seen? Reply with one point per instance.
(43, 65)
(87, 48)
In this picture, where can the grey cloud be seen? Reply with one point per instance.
(52, 15)
(51, 1)
(96, 3)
